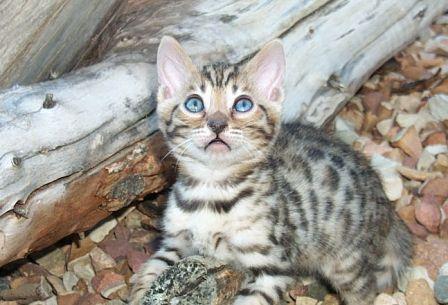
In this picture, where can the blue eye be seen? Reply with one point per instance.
(243, 105)
(194, 104)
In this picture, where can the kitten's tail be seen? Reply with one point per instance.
(397, 257)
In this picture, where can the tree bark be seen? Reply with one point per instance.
(59, 139)
(40, 39)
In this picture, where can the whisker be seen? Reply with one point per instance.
(175, 147)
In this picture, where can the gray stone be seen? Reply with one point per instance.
(195, 281)
(441, 289)
(53, 261)
(69, 280)
(101, 260)
(317, 291)
(82, 267)
(100, 232)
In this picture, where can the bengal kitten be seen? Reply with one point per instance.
(277, 200)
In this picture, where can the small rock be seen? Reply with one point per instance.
(117, 249)
(444, 229)
(57, 284)
(419, 293)
(101, 260)
(391, 180)
(409, 103)
(385, 111)
(30, 269)
(298, 290)
(82, 267)
(400, 298)
(69, 279)
(414, 273)
(437, 106)
(385, 126)
(444, 269)
(123, 293)
(441, 289)
(406, 120)
(53, 261)
(370, 148)
(436, 138)
(407, 213)
(372, 100)
(136, 259)
(107, 282)
(409, 141)
(418, 230)
(436, 187)
(428, 214)
(425, 161)
(317, 291)
(352, 115)
(442, 161)
(305, 301)
(69, 299)
(100, 232)
(345, 131)
(21, 280)
(331, 299)
(50, 301)
(431, 254)
(385, 299)
(134, 219)
(418, 175)
(142, 237)
(122, 233)
(437, 149)
(81, 248)
(91, 299)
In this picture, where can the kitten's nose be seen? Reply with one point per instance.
(217, 122)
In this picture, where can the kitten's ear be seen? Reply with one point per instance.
(267, 69)
(174, 66)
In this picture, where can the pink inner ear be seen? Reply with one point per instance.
(268, 68)
(268, 80)
(174, 67)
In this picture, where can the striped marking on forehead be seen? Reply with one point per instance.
(220, 74)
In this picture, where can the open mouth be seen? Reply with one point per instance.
(217, 144)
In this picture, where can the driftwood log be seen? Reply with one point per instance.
(74, 149)
(43, 39)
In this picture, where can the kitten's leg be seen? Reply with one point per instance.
(172, 250)
(267, 287)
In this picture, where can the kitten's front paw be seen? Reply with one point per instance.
(140, 283)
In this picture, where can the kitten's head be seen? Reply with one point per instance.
(222, 114)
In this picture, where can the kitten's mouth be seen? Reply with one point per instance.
(217, 145)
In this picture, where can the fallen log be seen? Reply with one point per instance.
(59, 139)
(43, 39)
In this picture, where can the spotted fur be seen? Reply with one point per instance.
(285, 200)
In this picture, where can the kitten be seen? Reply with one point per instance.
(278, 200)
